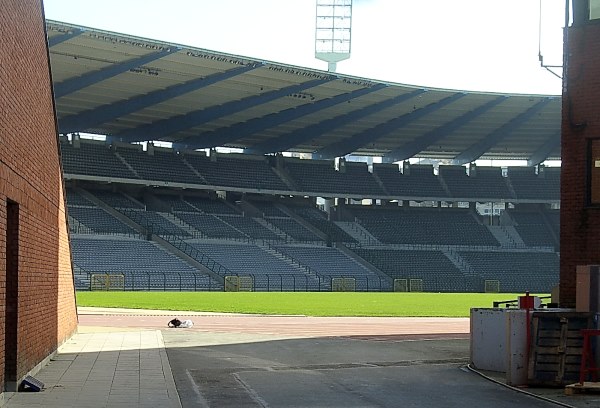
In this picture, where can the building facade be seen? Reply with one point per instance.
(580, 180)
(37, 299)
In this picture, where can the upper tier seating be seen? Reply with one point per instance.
(437, 226)
(252, 172)
(93, 159)
(418, 182)
(163, 165)
(528, 185)
(321, 176)
(484, 182)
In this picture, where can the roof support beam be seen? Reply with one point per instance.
(287, 141)
(57, 39)
(349, 145)
(240, 130)
(411, 148)
(479, 148)
(105, 113)
(75, 84)
(165, 127)
(543, 152)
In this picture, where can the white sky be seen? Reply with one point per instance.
(480, 45)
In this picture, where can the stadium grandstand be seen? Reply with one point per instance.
(220, 172)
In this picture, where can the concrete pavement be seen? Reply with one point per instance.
(105, 369)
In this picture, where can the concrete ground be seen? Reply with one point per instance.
(129, 358)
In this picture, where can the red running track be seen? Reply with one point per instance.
(296, 326)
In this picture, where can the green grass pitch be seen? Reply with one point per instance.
(301, 303)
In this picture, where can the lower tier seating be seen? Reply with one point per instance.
(437, 272)
(331, 262)
(144, 265)
(517, 271)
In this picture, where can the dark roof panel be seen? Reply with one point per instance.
(140, 89)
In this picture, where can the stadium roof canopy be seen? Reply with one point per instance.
(134, 89)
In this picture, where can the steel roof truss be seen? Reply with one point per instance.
(410, 149)
(102, 114)
(479, 148)
(348, 145)
(287, 141)
(75, 84)
(235, 132)
(58, 39)
(165, 127)
(543, 152)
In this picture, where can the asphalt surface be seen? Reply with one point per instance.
(332, 372)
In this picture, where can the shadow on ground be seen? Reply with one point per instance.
(331, 372)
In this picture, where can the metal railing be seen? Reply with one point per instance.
(159, 281)
(182, 282)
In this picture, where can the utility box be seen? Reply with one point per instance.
(517, 353)
(499, 342)
(488, 332)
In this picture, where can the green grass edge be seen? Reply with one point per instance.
(392, 304)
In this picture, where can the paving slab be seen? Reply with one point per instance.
(105, 369)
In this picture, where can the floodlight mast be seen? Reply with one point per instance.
(333, 31)
(550, 68)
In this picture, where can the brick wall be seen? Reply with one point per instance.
(580, 223)
(31, 180)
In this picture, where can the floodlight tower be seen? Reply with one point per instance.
(333, 31)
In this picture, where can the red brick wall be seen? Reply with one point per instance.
(580, 223)
(30, 176)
